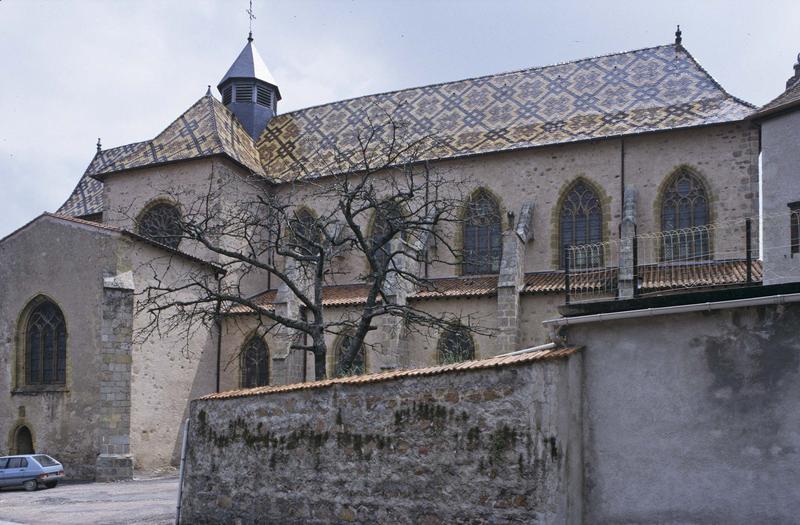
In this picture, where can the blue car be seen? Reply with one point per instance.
(30, 471)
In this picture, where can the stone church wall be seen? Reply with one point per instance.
(692, 417)
(167, 369)
(65, 263)
(482, 446)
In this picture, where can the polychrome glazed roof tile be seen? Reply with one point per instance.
(206, 128)
(639, 91)
(650, 89)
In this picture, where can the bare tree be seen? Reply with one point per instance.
(374, 200)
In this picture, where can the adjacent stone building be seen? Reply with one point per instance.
(570, 154)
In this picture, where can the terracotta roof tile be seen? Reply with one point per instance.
(653, 278)
(492, 362)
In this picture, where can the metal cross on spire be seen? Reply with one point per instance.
(252, 17)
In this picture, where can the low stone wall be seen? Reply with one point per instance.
(485, 445)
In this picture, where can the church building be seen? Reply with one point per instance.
(572, 154)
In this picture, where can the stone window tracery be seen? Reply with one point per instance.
(305, 232)
(455, 345)
(387, 219)
(255, 363)
(45, 345)
(357, 367)
(162, 223)
(482, 235)
(684, 210)
(581, 223)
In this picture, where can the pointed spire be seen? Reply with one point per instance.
(250, 65)
(99, 146)
(678, 38)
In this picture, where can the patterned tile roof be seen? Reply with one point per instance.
(650, 89)
(645, 90)
(653, 278)
(206, 128)
(87, 197)
(464, 366)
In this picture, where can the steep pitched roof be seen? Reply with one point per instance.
(639, 91)
(650, 89)
(207, 128)
(87, 197)
(786, 100)
(249, 64)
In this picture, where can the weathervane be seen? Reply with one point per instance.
(252, 17)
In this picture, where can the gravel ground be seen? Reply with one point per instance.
(150, 501)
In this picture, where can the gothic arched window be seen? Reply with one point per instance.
(581, 223)
(255, 363)
(305, 232)
(482, 242)
(45, 345)
(162, 223)
(357, 367)
(455, 345)
(387, 220)
(684, 210)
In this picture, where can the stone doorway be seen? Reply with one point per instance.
(23, 440)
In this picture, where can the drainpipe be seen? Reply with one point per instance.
(218, 323)
(546, 346)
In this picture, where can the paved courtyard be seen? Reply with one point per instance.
(149, 501)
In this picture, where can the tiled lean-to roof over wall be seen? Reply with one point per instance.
(653, 278)
(651, 89)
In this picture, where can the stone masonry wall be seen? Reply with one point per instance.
(114, 407)
(492, 445)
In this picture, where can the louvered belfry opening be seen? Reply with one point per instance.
(249, 91)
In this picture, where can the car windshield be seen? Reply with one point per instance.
(45, 461)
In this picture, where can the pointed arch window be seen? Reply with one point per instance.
(255, 363)
(305, 232)
(580, 224)
(455, 345)
(357, 367)
(387, 221)
(684, 213)
(45, 345)
(482, 235)
(162, 224)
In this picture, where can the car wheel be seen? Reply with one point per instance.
(30, 485)
(51, 484)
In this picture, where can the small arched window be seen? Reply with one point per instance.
(386, 224)
(305, 232)
(455, 345)
(684, 211)
(45, 345)
(357, 367)
(162, 224)
(482, 235)
(255, 363)
(581, 223)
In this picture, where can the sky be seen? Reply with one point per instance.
(122, 70)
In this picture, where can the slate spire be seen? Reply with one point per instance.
(249, 90)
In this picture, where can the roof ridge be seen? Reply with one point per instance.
(479, 77)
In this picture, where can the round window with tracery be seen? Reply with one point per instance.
(162, 223)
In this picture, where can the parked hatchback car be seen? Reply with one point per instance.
(30, 471)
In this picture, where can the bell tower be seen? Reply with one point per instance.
(249, 90)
